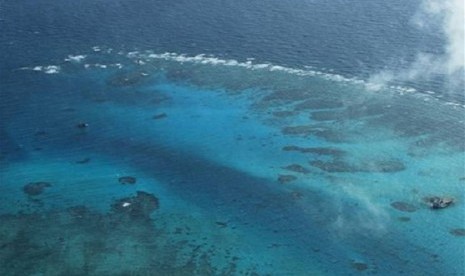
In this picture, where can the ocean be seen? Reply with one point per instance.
(149, 137)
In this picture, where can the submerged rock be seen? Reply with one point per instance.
(458, 232)
(286, 178)
(82, 125)
(127, 180)
(139, 206)
(436, 202)
(36, 188)
(403, 206)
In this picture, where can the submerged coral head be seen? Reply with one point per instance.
(139, 206)
(36, 188)
(436, 202)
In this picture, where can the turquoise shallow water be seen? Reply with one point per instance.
(246, 169)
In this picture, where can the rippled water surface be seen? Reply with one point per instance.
(217, 138)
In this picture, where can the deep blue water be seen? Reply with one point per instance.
(352, 38)
(250, 127)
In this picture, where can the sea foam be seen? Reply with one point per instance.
(48, 69)
(77, 58)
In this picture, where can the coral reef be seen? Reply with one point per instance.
(79, 241)
(316, 150)
(403, 219)
(283, 113)
(436, 202)
(127, 180)
(403, 206)
(83, 161)
(297, 168)
(318, 131)
(319, 104)
(384, 166)
(136, 207)
(36, 188)
(326, 115)
(286, 178)
(359, 266)
(459, 232)
(82, 125)
(159, 116)
(127, 79)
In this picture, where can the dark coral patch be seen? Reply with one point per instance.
(83, 161)
(326, 115)
(179, 74)
(298, 130)
(286, 178)
(304, 130)
(127, 79)
(40, 133)
(221, 224)
(127, 180)
(319, 104)
(319, 151)
(385, 166)
(359, 266)
(334, 166)
(283, 114)
(287, 95)
(79, 211)
(403, 206)
(36, 188)
(458, 232)
(139, 206)
(403, 219)
(318, 131)
(159, 98)
(159, 116)
(296, 168)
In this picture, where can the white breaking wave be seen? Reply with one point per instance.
(141, 58)
(103, 66)
(205, 59)
(211, 60)
(370, 85)
(77, 58)
(48, 69)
